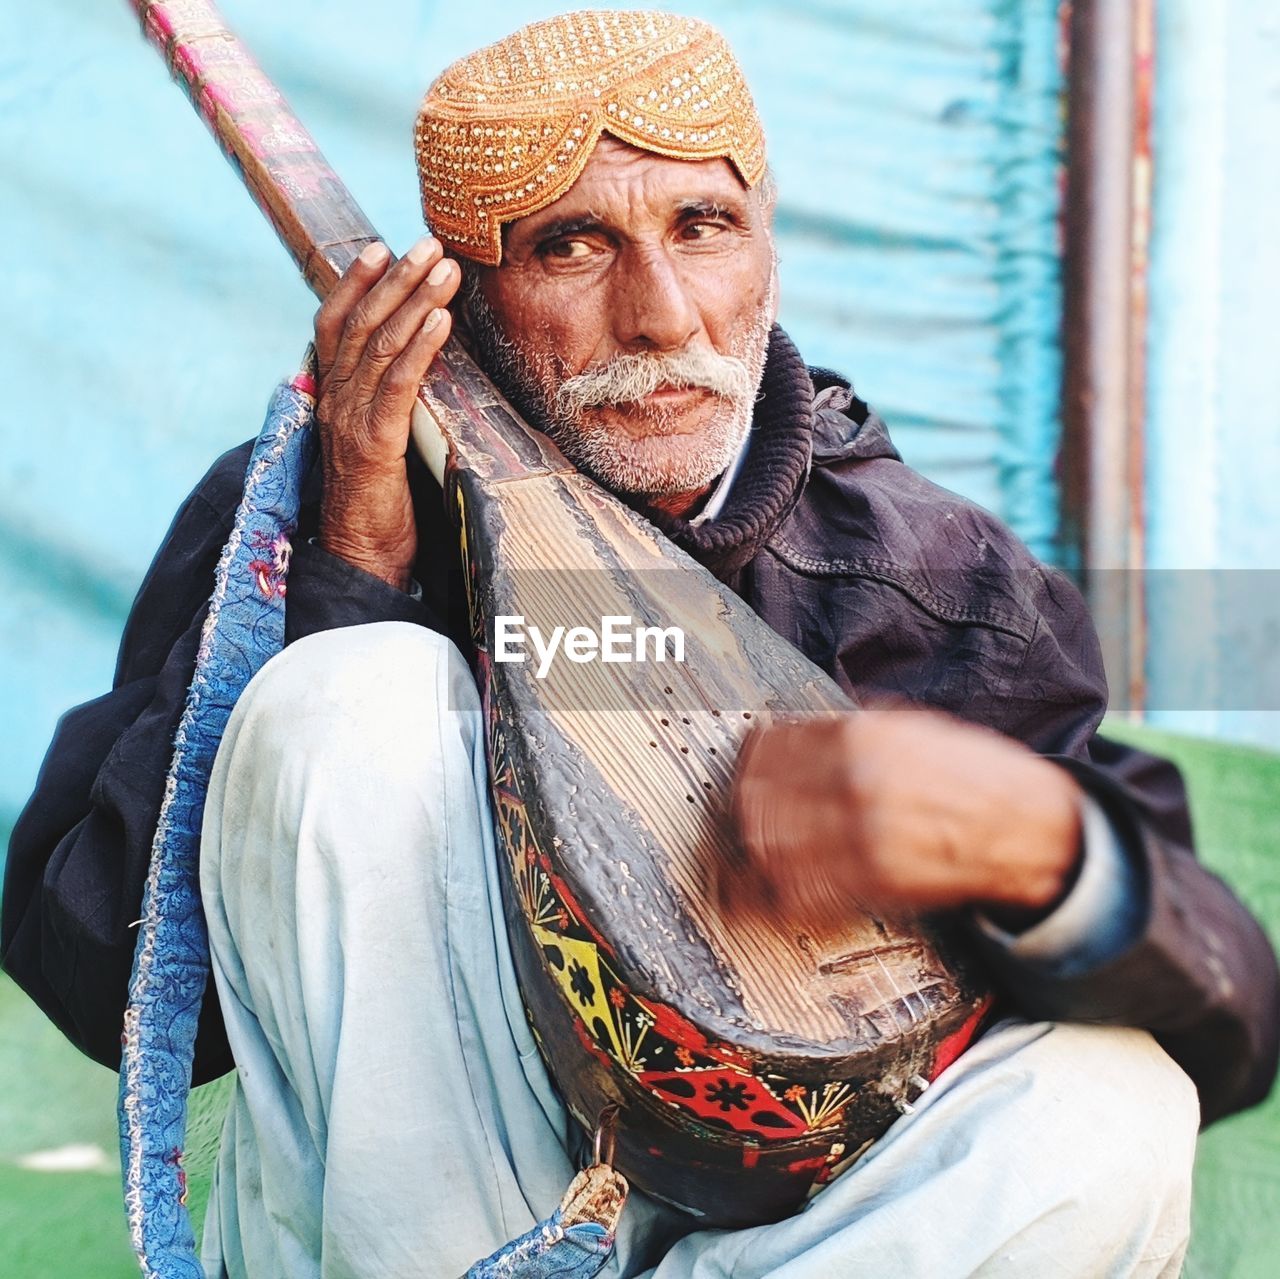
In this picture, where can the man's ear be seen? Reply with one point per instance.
(460, 307)
(461, 313)
(767, 194)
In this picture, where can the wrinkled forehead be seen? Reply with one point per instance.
(508, 131)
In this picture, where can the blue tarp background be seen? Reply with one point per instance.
(1213, 424)
(149, 311)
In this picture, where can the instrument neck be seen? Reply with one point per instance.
(313, 213)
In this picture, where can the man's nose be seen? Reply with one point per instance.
(652, 307)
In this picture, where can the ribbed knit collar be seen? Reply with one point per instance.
(773, 472)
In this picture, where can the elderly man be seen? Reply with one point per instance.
(600, 180)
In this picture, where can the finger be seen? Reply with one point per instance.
(356, 281)
(382, 301)
(399, 386)
(740, 806)
(764, 781)
(393, 337)
(747, 883)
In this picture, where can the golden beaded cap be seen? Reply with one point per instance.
(506, 131)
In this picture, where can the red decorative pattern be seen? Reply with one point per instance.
(727, 1098)
(955, 1043)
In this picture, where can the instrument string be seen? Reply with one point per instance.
(898, 991)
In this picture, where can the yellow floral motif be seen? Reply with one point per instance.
(579, 979)
(465, 554)
(823, 1106)
(536, 897)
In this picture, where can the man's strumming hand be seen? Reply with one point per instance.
(376, 335)
(901, 809)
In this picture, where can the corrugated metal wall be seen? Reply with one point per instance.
(150, 312)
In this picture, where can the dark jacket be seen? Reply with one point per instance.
(888, 582)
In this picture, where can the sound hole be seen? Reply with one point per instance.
(767, 1119)
(679, 1087)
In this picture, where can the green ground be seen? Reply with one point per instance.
(55, 1224)
(1236, 804)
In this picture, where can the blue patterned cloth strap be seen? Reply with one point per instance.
(243, 628)
(574, 1242)
(550, 1251)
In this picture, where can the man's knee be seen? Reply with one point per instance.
(350, 778)
(382, 693)
(1107, 1143)
(1151, 1115)
(1136, 1101)
(347, 736)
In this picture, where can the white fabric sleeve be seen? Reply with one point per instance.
(1099, 917)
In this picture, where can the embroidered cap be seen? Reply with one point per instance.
(506, 131)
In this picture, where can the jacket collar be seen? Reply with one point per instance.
(844, 427)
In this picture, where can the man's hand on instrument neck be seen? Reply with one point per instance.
(902, 809)
(376, 336)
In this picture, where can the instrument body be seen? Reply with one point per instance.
(748, 1057)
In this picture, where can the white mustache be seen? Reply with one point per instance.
(630, 377)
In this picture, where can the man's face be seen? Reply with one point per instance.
(630, 318)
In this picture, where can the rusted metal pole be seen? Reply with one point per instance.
(1106, 230)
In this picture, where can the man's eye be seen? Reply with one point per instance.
(702, 230)
(567, 249)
